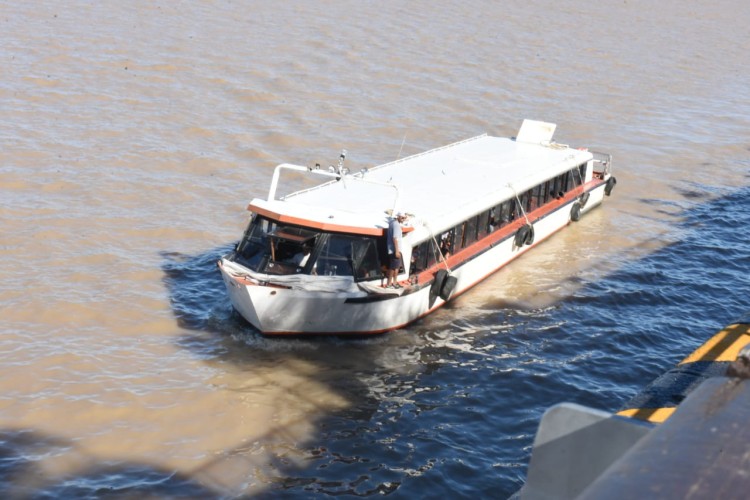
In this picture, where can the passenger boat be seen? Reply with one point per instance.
(312, 262)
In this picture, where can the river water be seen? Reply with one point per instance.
(133, 134)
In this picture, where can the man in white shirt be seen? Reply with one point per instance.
(394, 249)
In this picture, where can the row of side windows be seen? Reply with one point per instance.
(462, 235)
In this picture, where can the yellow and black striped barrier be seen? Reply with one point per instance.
(660, 399)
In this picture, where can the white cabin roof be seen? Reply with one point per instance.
(441, 187)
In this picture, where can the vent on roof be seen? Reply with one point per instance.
(536, 132)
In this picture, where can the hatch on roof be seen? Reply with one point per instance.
(536, 132)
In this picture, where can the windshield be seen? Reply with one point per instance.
(273, 248)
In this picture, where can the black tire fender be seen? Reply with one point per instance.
(449, 284)
(530, 236)
(610, 186)
(575, 212)
(521, 236)
(437, 285)
(584, 199)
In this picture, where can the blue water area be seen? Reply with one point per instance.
(458, 412)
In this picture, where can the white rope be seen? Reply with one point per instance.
(580, 178)
(520, 205)
(402, 147)
(437, 245)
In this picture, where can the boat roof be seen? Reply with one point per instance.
(440, 188)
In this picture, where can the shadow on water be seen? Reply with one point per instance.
(22, 476)
(344, 367)
(451, 405)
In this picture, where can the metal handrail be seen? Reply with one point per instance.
(339, 174)
(605, 159)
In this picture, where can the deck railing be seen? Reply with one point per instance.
(602, 162)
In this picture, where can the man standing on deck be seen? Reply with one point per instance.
(394, 250)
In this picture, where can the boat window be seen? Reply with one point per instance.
(507, 209)
(419, 257)
(558, 189)
(275, 248)
(446, 243)
(424, 256)
(572, 180)
(253, 248)
(549, 187)
(335, 256)
(582, 171)
(365, 258)
(514, 210)
(458, 237)
(536, 197)
(493, 220)
(470, 231)
(482, 224)
(289, 244)
(500, 215)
